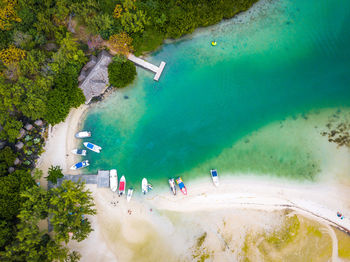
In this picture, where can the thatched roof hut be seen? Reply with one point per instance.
(94, 76)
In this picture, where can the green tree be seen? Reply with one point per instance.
(100, 23)
(69, 203)
(121, 73)
(33, 99)
(10, 127)
(64, 95)
(31, 244)
(55, 172)
(68, 53)
(134, 22)
(7, 156)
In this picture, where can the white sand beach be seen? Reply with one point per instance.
(60, 142)
(163, 227)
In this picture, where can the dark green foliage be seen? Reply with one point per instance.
(64, 95)
(55, 172)
(121, 73)
(68, 215)
(66, 206)
(147, 41)
(7, 158)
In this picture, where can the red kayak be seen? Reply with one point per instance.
(181, 185)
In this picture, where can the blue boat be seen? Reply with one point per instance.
(79, 165)
(80, 152)
(92, 147)
(215, 177)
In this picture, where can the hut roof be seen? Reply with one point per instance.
(96, 80)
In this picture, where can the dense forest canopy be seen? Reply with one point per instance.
(43, 46)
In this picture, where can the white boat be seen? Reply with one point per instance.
(172, 185)
(129, 195)
(83, 134)
(93, 147)
(144, 186)
(215, 177)
(80, 152)
(79, 165)
(113, 180)
(122, 185)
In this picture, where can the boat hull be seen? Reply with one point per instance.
(77, 152)
(122, 184)
(83, 134)
(214, 177)
(129, 195)
(80, 165)
(144, 186)
(92, 147)
(181, 185)
(172, 186)
(113, 180)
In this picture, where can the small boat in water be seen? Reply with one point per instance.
(92, 147)
(79, 165)
(172, 185)
(144, 186)
(129, 195)
(181, 185)
(122, 185)
(80, 152)
(113, 180)
(214, 176)
(83, 134)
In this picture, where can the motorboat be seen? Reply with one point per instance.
(80, 152)
(215, 177)
(93, 147)
(113, 180)
(144, 186)
(181, 185)
(79, 165)
(122, 184)
(172, 185)
(83, 134)
(129, 195)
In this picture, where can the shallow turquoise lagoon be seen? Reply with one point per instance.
(280, 59)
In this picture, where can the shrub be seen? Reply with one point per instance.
(121, 73)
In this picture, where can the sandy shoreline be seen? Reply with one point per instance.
(165, 219)
(60, 142)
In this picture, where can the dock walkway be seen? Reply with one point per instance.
(101, 179)
(155, 69)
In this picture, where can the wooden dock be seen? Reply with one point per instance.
(155, 69)
(101, 179)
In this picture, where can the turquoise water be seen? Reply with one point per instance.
(280, 59)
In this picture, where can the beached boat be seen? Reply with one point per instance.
(129, 195)
(79, 165)
(172, 185)
(113, 180)
(181, 185)
(122, 184)
(144, 186)
(80, 152)
(92, 147)
(83, 134)
(215, 177)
